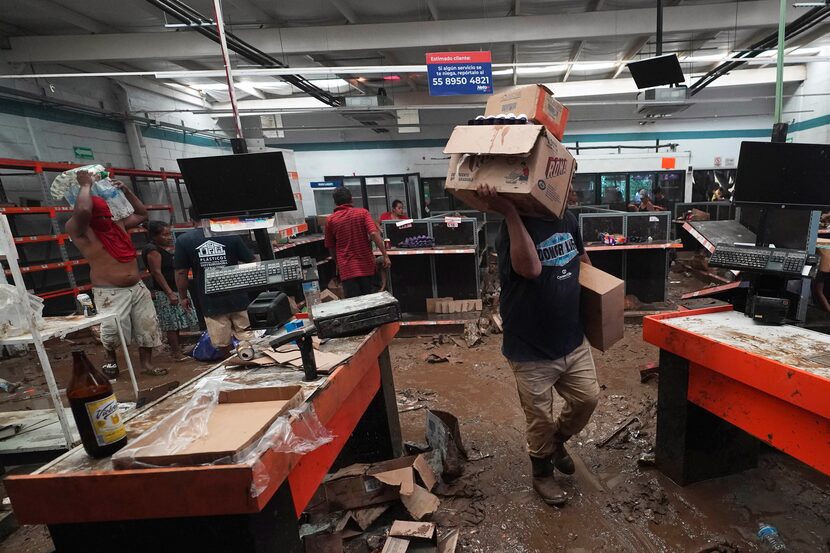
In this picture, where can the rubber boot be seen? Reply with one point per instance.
(544, 483)
(561, 459)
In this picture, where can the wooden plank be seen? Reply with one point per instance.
(795, 431)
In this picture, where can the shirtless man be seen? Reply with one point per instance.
(113, 270)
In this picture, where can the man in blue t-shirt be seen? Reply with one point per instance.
(544, 339)
(226, 315)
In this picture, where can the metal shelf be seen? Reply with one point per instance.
(429, 251)
(39, 170)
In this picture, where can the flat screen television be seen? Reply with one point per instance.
(783, 175)
(658, 71)
(238, 185)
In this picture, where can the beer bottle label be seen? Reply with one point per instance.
(106, 420)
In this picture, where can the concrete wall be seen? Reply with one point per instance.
(811, 106)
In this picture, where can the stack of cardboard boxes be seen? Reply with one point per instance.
(528, 164)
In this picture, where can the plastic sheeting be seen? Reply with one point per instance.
(299, 432)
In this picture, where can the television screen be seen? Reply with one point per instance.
(775, 174)
(238, 185)
(659, 71)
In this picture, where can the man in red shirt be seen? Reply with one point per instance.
(396, 213)
(348, 231)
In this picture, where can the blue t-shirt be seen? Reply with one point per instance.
(541, 316)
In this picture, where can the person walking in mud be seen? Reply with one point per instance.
(113, 270)
(544, 338)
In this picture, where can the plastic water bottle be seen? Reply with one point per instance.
(768, 535)
(117, 201)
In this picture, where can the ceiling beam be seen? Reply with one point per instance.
(433, 10)
(639, 43)
(345, 10)
(80, 20)
(633, 49)
(385, 36)
(576, 51)
(258, 13)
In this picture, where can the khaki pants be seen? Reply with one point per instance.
(574, 378)
(134, 308)
(222, 327)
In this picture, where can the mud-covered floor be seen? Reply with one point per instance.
(616, 504)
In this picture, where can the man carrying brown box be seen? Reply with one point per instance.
(544, 338)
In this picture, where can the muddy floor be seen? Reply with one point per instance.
(617, 504)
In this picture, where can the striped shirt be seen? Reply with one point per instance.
(347, 232)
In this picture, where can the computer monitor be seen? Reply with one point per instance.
(657, 71)
(786, 228)
(783, 175)
(238, 185)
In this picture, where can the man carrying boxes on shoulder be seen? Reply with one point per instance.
(524, 173)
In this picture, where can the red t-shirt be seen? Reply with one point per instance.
(347, 232)
(386, 216)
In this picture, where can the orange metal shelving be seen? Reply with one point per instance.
(39, 168)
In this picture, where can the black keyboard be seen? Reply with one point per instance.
(759, 259)
(253, 276)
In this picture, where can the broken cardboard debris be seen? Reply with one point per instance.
(444, 437)
(418, 537)
(365, 517)
(323, 542)
(419, 502)
(365, 485)
(407, 529)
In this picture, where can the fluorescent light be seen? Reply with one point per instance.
(594, 65)
(498, 72)
(705, 58)
(541, 70)
(178, 25)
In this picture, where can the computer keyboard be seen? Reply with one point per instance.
(759, 259)
(253, 276)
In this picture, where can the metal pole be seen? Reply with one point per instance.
(220, 28)
(779, 73)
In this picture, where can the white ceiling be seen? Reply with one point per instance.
(37, 36)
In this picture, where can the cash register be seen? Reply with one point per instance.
(785, 182)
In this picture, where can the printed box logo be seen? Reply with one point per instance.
(556, 167)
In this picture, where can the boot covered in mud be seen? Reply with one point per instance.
(544, 483)
(561, 459)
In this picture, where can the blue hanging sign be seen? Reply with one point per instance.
(457, 73)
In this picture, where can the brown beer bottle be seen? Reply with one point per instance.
(95, 408)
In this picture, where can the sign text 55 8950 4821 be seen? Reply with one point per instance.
(456, 73)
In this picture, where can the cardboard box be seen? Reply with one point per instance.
(536, 101)
(525, 163)
(603, 306)
(240, 419)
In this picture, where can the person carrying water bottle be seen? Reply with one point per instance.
(113, 270)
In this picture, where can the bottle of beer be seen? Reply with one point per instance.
(95, 408)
